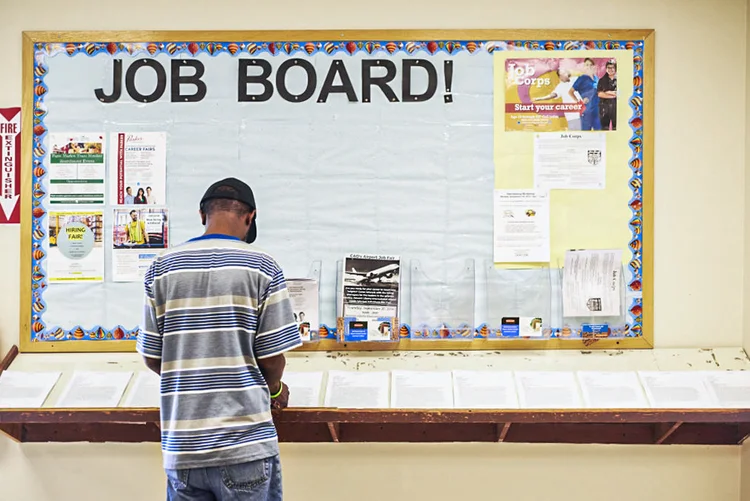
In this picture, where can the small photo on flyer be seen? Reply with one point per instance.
(138, 168)
(138, 236)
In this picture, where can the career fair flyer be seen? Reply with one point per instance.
(138, 168)
(138, 236)
(371, 296)
(76, 248)
(76, 168)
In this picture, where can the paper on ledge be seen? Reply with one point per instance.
(26, 390)
(484, 390)
(548, 390)
(146, 391)
(421, 390)
(677, 390)
(731, 389)
(612, 390)
(94, 389)
(304, 388)
(357, 390)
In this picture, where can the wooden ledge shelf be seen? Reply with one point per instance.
(655, 427)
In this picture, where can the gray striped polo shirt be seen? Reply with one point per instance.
(213, 307)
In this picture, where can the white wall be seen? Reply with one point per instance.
(700, 157)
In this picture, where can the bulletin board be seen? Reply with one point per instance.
(380, 142)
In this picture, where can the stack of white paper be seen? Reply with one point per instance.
(357, 390)
(304, 388)
(145, 391)
(731, 389)
(612, 390)
(421, 390)
(26, 390)
(676, 390)
(94, 389)
(548, 390)
(484, 390)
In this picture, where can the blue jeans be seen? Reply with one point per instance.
(255, 481)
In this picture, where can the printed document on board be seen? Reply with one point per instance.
(570, 161)
(522, 226)
(591, 283)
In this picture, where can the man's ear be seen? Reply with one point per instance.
(250, 218)
(203, 217)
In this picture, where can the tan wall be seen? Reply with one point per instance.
(699, 195)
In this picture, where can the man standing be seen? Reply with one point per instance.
(562, 91)
(585, 86)
(217, 322)
(137, 234)
(607, 91)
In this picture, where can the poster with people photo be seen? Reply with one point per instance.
(138, 236)
(371, 297)
(561, 94)
(138, 168)
(303, 292)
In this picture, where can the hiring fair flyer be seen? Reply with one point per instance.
(76, 247)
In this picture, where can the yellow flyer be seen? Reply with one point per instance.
(76, 247)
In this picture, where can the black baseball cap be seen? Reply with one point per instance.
(240, 192)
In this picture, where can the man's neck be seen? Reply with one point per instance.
(219, 229)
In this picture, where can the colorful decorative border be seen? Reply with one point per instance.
(40, 332)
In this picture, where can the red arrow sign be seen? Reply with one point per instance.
(10, 152)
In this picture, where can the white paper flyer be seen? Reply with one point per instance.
(76, 168)
(522, 226)
(138, 168)
(138, 236)
(303, 292)
(570, 161)
(591, 283)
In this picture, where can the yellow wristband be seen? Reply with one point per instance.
(281, 388)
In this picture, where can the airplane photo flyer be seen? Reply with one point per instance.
(371, 297)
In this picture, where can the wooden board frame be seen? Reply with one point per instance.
(645, 340)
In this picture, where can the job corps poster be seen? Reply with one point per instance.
(561, 94)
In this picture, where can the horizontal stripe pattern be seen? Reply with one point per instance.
(207, 441)
(212, 307)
